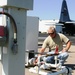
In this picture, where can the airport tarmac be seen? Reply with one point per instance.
(70, 62)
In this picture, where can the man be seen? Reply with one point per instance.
(56, 39)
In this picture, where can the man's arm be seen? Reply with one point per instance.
(68, 44)
(42, 50)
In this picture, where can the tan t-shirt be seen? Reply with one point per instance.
(52, 42)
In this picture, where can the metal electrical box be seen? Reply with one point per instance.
(25, 4)
(31, 36)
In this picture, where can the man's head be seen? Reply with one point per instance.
(52, 31)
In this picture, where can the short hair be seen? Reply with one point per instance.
(52, 28)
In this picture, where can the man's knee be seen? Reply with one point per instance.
(63, 56)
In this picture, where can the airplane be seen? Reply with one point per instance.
(68, 26)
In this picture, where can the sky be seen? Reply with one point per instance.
(50, 9)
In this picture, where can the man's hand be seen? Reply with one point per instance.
(36, 61)
(64, 50)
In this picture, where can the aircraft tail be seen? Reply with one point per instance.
(64, 16)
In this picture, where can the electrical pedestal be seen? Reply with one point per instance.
(14, 64)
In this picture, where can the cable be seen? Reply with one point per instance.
(15, 31)
(67, 70)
